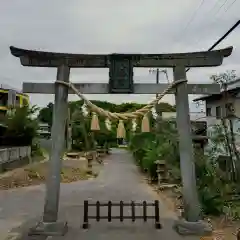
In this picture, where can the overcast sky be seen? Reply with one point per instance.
(106, 26)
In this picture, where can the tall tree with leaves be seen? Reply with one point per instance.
(21, 126)
(224, 79)
(45, 114)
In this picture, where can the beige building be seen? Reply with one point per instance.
(217, 106)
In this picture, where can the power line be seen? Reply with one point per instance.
(194, 15)
(221, 7)
(216, 13)
(222, 38)
(202, 2)
(215, 5)
(226, 9)
(229, 6)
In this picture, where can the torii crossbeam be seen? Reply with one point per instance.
(33, 58)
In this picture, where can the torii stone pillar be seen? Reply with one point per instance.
(191, 204)
(49, 225)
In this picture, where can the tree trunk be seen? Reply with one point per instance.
(227, 145)
(233, 140)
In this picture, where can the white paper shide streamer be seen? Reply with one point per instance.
(134, 125)
(84, 110)
(108, 124)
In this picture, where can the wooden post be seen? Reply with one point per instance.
(238, 235)
(190, 196)
(159, 175)
(69, 131)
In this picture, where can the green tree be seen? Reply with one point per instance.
(45, 114)
(164, 107)
(21, 126)
(81, 133)
(226, 119)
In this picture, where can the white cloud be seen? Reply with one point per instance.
(91, 26)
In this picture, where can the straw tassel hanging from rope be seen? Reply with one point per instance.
(121, 129)
(95, 122)
(121, 132)
(145, 124)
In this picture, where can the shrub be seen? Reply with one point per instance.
(162, 144)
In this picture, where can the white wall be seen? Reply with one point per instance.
(212, 120)
(213, 104)
(10, 154)
(194, 116)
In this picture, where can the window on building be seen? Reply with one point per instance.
(25, 102)
(209, 111)
(218, 112)
(17, 101)
(3, 99)
(229, 109)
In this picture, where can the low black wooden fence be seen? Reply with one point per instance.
(121, 216)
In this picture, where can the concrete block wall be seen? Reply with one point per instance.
(14, 153)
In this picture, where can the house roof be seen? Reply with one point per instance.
(233, 90)
(8, 87)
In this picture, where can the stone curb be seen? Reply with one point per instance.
(186, 228)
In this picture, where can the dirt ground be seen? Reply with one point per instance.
(36, 173)
(223, 229)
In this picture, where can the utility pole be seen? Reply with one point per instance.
(157, 71)
(153, 71)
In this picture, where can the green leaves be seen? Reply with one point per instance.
(22, 124)
(162, 144)
(82, 137)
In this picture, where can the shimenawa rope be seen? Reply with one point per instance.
(121, 116)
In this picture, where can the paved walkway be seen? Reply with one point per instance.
(118, 180)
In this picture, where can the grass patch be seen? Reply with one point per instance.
(37, 173)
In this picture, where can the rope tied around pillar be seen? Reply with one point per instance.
(121, 117)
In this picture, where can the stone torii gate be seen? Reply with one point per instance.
(120, 81)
